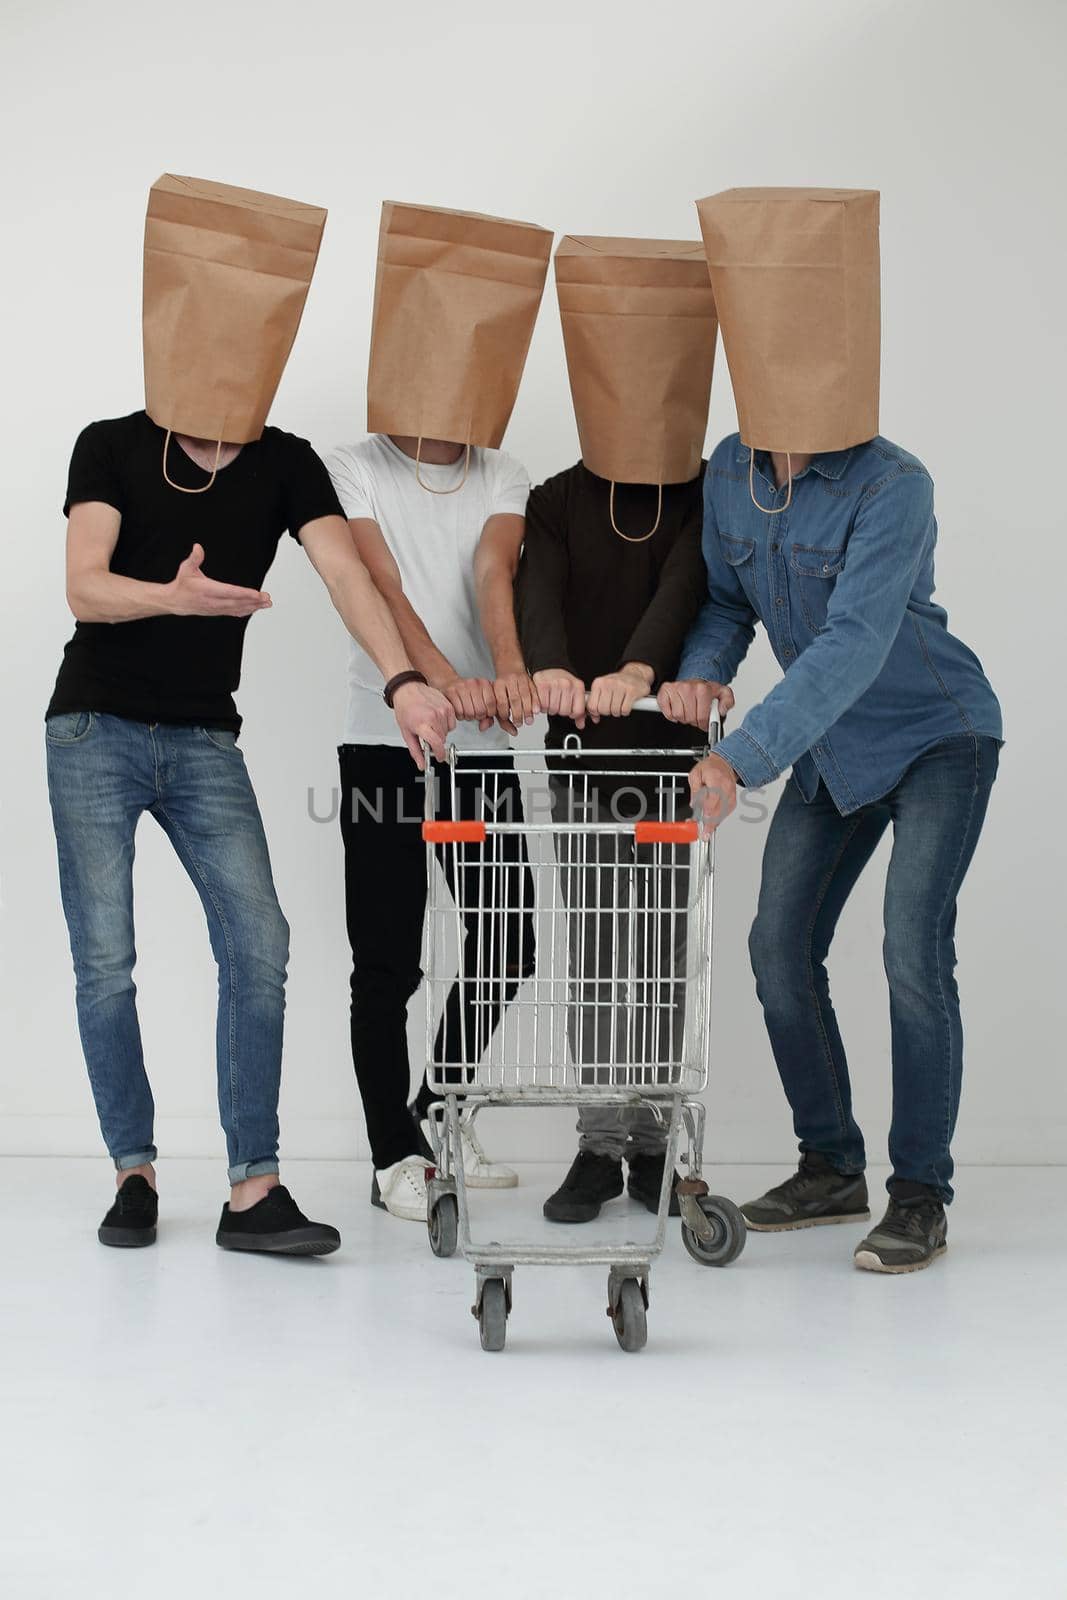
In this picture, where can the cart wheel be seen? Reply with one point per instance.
(728, 1233)
(629, 1318)
(443, 1226)
(493, 1314)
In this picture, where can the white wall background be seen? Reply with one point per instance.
(611, 121)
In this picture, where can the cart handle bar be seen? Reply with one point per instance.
(644, 832)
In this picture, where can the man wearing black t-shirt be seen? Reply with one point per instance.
(166, 555)
(603, 608)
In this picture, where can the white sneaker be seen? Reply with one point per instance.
(401, 1189)
(479, 1171)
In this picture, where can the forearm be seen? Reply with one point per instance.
(539, 605)
(435, 667)
(824, 681)
(542, 632)
(717, 643)
(109, 597)
(371, 622)
(661, 632)
(496, 608)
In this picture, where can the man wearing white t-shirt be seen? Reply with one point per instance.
(440, 527)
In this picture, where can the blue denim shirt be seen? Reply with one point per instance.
(842, 581)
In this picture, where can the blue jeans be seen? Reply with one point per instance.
(811, 862)
(103, 772)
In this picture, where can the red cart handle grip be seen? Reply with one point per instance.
(665, 832)
(454, 832)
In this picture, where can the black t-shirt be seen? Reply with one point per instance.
(181, 669)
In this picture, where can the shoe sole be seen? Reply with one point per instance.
(675, 1209)
(126, 1238)
(588, 1214)
(868, 1261)
(493, 1183)
(806, 1222)
(278, 1244)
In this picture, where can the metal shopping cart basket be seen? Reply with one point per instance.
(583, 943)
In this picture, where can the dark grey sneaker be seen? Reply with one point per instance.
(912, 1233)
(816, 1194)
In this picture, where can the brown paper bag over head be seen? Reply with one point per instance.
(795, 274)
(226, 273)
(639, 329)
(455, 300)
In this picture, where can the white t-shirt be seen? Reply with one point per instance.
(433, 539)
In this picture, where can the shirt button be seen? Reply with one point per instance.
(780, 601)
(775, 548)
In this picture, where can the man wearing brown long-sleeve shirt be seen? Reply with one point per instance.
(603, 606)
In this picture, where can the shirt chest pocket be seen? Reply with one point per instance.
(813, 574)
(738, 555)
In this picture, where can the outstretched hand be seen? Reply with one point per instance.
(191, 593)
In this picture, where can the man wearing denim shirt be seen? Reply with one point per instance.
(885, 717)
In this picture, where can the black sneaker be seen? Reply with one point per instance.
(591, 1180)
(816, 1194)
(645, 1180)
(912, 1233)
(131, 1222)
(277, 1225)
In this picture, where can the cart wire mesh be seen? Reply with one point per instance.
(568, 932)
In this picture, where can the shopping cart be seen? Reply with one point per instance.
(613, 1012)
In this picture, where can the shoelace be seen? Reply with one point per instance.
(795, 1186)
(471, 1137)
(414, 1177)
(909, 1221)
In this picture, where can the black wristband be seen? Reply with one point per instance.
(398, 681)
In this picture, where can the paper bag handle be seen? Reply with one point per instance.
(180, 486)
(455, 487)
(769, 511)
(629, 538)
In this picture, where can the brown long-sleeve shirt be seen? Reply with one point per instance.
(588, 601)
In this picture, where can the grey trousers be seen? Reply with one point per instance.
(627, 926)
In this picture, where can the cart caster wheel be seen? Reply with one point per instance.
(728, 1233)
(493, 1314)
(442, 1225)
(629, 1318)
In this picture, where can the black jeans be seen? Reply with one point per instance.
(382, 807)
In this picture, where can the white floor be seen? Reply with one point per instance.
(184, 1422)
